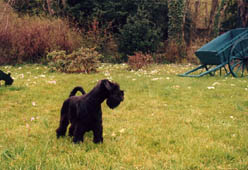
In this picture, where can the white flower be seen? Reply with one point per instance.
(216, 83)
(122, 130)
(22, 75)
(167, 78)
(107, 74)
(42, 75)
(176, 86)
(33, 103)
(231, 117)
(154, 71)
(211, 87)
(52, 82)
(154, 79)
(113, 134)
(32, 119)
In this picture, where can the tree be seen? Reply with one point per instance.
(140, 34)
(214, 7)
(176, 15)
(243, 12)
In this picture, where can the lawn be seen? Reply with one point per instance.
(165, 121)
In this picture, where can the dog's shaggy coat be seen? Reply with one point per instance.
(85, 113)
(6, 77)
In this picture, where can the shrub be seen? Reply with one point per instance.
(139, 34)
(29, 39)
(175, 52)
(139, 60)
(82, 60)
(102, 39)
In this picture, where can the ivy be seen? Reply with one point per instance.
(217, 19)
(175, 14)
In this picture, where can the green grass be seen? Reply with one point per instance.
(165, 122)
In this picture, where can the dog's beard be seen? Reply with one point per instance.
(113, 102)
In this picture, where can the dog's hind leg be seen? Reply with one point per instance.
(64, 121)
(71, 129)
(79, 132)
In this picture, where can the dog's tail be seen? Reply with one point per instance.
(76, 89)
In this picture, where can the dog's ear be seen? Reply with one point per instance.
(107, 84)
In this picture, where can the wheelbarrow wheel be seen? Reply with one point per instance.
(238, 59)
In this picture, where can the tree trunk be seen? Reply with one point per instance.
(50, 10)
(187, 24)
(206, 15)
(243, 12)
(214, 7)
(196, 12)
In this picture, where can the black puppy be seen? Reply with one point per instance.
(85, 113)
(6, 77)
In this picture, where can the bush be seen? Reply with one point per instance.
(139, 34)
(82, 60)
(29, 39)
(139, 60)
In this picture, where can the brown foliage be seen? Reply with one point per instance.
(139, 60)
(29, 39)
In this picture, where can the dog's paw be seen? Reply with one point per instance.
(76, 141)
(97, 141)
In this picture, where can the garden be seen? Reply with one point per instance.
(165, 121)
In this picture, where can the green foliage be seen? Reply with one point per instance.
(116, 12)
(175, 25)
(83, 60)
(139, 60)
(216, 29)
(34, 7)
(131, 21)
(139, 34)
(231, 18)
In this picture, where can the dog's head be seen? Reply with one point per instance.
(115, 95)
(8, 80)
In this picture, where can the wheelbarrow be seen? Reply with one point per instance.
(228, 52)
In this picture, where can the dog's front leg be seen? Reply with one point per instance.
(97, 131)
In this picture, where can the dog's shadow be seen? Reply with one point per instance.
(87, 145)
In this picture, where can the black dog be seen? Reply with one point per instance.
(85, 113)
(6, 77)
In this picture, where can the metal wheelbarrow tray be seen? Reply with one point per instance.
(230, 48)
